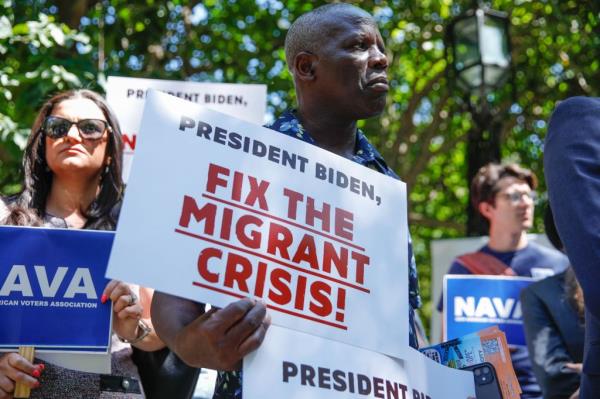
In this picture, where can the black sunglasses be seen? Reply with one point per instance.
(91, 129)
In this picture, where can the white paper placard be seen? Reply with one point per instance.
(294, 365)
(219, 209)
(87, 362)
(126, 97)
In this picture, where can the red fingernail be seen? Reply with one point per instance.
(36, 373)
(41, 366)
(104, 298)
(36, 384)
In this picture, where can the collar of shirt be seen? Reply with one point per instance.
(364, 154)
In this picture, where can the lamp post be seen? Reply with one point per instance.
(478, 51)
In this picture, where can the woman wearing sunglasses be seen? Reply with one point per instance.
(72, 167)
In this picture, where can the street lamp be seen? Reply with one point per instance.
(480, 52)
(479, 56)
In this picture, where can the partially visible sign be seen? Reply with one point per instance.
(126, 97)
(51, 281)
(473, 303)
(294, 365)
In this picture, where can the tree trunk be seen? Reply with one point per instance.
(71, 11)
(483, 147)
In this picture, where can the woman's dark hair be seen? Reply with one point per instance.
(22, 217)
(38, 177)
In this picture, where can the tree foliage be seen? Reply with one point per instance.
(45, 46)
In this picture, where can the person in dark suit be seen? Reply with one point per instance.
(554, 332)
(572, 168)
(553, 321)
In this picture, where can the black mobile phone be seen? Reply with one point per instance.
(486, 381)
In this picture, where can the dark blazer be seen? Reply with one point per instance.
(572, 169)
(554, 335)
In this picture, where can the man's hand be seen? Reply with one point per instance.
(217, 339)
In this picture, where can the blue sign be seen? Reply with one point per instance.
(51, 281)
(476, 302)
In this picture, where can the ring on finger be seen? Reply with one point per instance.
(132, 299)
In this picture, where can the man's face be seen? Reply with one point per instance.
(351, 71)
(513, 208)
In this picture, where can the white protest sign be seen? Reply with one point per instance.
(294, 365)
(126, 97)
(219, 209)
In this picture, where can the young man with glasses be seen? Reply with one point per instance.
(504, 195)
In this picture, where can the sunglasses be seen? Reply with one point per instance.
(90, 129)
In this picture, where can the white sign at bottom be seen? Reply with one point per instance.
(295, 365)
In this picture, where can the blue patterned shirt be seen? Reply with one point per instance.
(229, 384)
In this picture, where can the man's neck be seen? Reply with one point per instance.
(329, 132)
(503, 241)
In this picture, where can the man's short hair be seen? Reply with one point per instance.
(306, 32)
(484, 186)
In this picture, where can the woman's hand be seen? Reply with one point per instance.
(576, 367)
(15, 368)
(126, 307)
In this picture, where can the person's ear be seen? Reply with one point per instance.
(485, 208)
(304, 65)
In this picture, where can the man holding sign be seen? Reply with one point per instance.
(337, 58)
(504, 195)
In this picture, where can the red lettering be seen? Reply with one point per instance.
(257, 193)
(253, 239)
(361, 262)
(307, 252)
(226, 224)
(207, 214)
(312, 213)
(214, 179)
(203, 258)
(340, 261)
(280, 238)
(260, 279)
(129, 141)
(282, 294)
(238, 181)
(300, 292)
(341, 304)
(238, 275)
(343, 223)
(293, 198)
(320, 292)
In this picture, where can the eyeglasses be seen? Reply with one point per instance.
(516, 197)
(91, 129)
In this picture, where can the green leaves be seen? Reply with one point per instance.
(39, 57)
